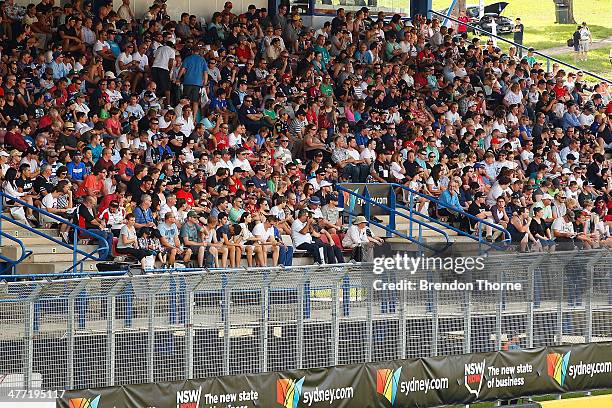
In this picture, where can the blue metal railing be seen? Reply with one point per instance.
(392, 213)
(103, 248)
(525, 47)
(417, 217)
(479, 222)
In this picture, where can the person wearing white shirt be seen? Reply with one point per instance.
(141, 56)
(264, 231)
(169, 206)
(361, 240)
(241, 161)
(301, 228)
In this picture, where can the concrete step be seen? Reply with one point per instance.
(46, 248)
(30, 242)
(33, 268)
(57, 257)
(24, 233)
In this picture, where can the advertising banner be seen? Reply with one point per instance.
(423, 382)
(377, 192)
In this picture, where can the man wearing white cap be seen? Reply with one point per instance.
(548, 216)
(361, 240)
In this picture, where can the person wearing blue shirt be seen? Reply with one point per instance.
(76, 168)
(570, 118)
(449, 203)
(194, 73)
(143, 213)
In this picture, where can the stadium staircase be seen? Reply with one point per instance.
(26, 251)
(407, 229)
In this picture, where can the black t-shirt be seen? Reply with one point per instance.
(518, 35)
(25, 184)
(68, 140)
(178, 136)
(537, 228)
(42, 186)
(382, 169)
(411, 168)
(86, 216)
(475, 209)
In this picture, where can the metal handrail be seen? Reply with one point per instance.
(548, 58)
(102, 249)
(392, 230)
(24, 252)
(507, 237)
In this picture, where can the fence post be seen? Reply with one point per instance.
(226, 328)
(498, 319)
(70, 332)
(588, 306)
(189, 332)
(531, 301)
(265, 317)
(403, 325)
(29, 344)
(151, 336)
(369, 325)
(299, 338)
(435, 332)
(111, 306)
(335, 329)
(559, 334)
(467, 323)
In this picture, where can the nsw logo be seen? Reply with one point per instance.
(557, 366)
(84, 402)
(288, 392)
(188, 398)
(387, 382)
(474, 374)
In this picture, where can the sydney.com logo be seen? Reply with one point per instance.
(288, 392)
(557, 366)
(386, 383)
(84, 402)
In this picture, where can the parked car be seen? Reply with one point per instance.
(493, 12)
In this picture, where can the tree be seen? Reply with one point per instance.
(569, 4)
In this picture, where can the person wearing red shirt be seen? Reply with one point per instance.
(125, 166)
(463, 19)
(185, 193)
(93, 184)
(235, 182)
(244, 51)
(221, 140)
(13, 137)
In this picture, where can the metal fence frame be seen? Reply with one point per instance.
(110, 330)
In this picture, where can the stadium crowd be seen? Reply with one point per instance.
(209, 140)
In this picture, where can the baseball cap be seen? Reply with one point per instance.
(314, 200)
(3, 153)
(325, 183)
(192, 214)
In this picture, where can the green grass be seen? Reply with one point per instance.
(541, 31)
(598, 62)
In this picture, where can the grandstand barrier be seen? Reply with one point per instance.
(100, 331)
(421, 382)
